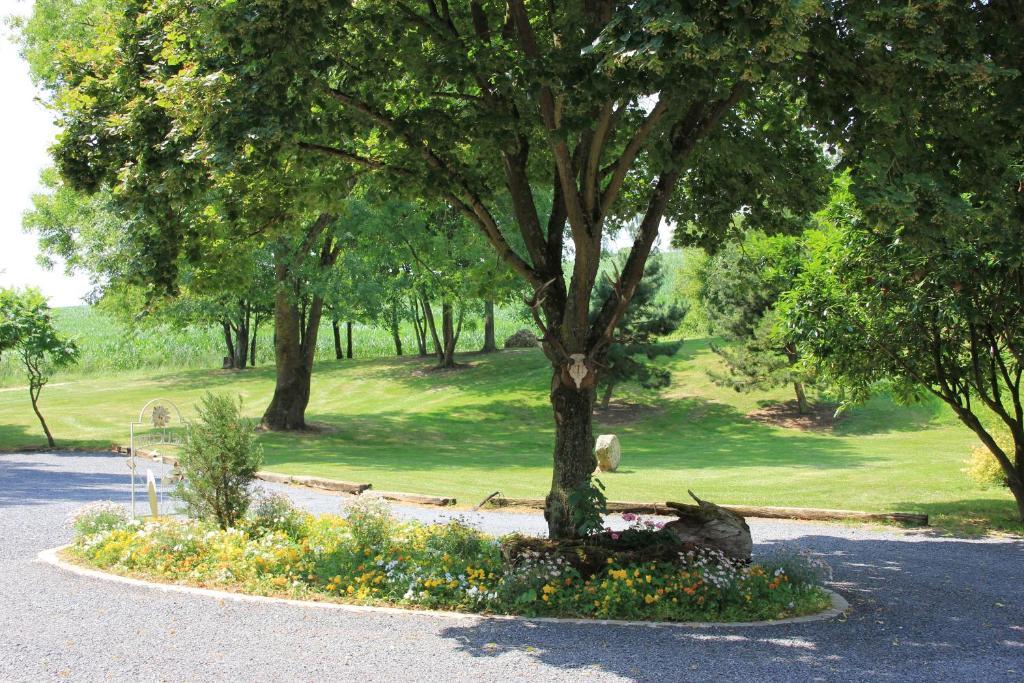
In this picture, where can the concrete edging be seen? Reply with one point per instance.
(52, 557)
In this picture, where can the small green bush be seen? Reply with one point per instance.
(218, 462)
(370, 522)
(275, 512)
(798, 564)
(94, 518)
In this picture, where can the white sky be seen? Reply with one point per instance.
(26, 131)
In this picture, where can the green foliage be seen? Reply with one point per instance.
(921, 279)
(370, 522)
(99, 517)
(589, 505)
(935, 312)
(446, 566)
(27, 328)
(636, 337)
(275, 512)
(740, 286)
(108, 344)
(983, 468)
(218, 461)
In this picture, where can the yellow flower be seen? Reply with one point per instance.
(544, 597)
(629, 582)
(649, 599)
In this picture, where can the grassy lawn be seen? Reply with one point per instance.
(398, 425)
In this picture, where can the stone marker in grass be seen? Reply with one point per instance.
(608, 453)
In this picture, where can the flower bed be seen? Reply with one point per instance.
(368, 557)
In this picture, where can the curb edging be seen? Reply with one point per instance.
(52, 557)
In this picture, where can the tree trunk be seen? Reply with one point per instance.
(490, 345)
(394, 329)
(241, 348)
(449, 336)
(295, 335)
(228, 344)
(428, 315)
(420, 325)
(574, 461)
(252, 342)
(801, 397)
(607, 396)
(241, 355)
(1017, 491)
(338, 355)
(348, 340)
(33, 393)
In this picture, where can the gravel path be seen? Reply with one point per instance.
(923, 608)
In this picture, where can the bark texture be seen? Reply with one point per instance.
(296, 323)
(574, 460)
(490, 343)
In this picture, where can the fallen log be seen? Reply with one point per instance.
(327, 484)
(416, 498)
(825, 515)
(711, 526)
(810, 514)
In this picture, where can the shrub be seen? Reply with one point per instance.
(275, 512)
(219, 461)
(982, 466)
(798, 564)
(370, 522)
(94, 518)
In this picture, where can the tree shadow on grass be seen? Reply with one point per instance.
(921, 608)
(506, 434)
(20, 439)
(881, 415)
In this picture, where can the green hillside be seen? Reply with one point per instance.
(402, 426)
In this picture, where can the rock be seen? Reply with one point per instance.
(608, 453)
(523, 339)
(709, 525)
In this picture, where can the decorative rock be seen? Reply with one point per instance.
(608, 453)
(523, 339)
(710, 525)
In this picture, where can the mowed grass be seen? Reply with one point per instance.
(487, 427)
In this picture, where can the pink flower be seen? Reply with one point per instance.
(615, 536)
(628, 516)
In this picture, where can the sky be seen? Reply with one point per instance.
(27, 131)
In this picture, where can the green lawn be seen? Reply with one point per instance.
(467, 433)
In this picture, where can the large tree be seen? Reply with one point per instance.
(614, 109)
(924, 281)
(103, 68)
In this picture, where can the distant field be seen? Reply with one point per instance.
(107, 345)
(400, 426)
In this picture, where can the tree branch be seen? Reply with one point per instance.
(628, 157)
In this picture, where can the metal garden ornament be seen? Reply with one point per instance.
(159, 423)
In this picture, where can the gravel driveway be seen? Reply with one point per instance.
(923, 608)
